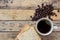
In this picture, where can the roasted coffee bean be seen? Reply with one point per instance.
(44, 12)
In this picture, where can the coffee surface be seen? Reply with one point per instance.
(44, 26)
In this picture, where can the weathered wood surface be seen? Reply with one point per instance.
(13, 14)
(17, 25)
(10, 29)
(13, 25)
(12, 35)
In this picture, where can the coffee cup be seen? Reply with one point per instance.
(45, 26)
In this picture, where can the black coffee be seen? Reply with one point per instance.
(44, 26)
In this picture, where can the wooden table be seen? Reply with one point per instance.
(10, 29)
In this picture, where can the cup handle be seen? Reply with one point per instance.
(55, 27)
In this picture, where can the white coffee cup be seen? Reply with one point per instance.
(51, 25)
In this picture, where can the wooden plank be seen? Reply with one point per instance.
(12, 35)
(52, 36)
(18, 25)
(13, 14)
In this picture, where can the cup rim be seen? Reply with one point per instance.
(50, 29)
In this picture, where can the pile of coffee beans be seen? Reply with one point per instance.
(43, 12)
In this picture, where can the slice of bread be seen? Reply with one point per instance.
(28, 33)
